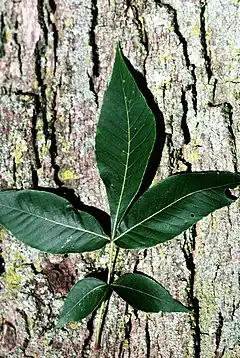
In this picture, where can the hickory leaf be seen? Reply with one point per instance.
(173, 205)
(124, 140)
(49, 223)
(146, 294)
(85, 297)
(126, 145)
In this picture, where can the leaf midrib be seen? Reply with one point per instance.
(166, 207)
(139, 291)
(54, 222)
(127, 159)
(82, 298)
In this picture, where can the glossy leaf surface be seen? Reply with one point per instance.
(173, 205)
(124, 140)
(145, 294)
(49, 223)
(84, 298)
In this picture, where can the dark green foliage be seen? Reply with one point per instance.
(124, 142)
(145, 294)
(173, 205)
(49, 223)
(83, 298)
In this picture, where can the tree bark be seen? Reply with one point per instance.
(55, 63)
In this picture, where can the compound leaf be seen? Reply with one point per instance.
(173, 205)
(145, 294)
(124, 141)
(85, 297)
(49, 223)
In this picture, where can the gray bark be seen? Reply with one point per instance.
(55, 63)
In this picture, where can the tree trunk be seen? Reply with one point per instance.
(55, 62)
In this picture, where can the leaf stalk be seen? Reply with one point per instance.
(100, 317)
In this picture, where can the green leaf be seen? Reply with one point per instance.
(145, 294)
(124, 141)
(49, 223)
(173, 205)
(84, 298)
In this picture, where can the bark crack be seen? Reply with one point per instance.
(170, 148)
(143, 36)
(14, 172)
(214, 89)
(104, 320)
(51, 20)
(148, 339)
(94, 49)
(137, 261)
(125, 344)
(41, 20)
(92, 38)
(2, 262)
(53, 147)
(19, 49)
(184, 126)
(203, 39)
(46, 103)
(176, 155)
(92, 89)
(2, 36)
(188, 250)
(227, 112)
(34, 131)
(89, 262)
(190, 66)
(27, 330)
(219, 335)
(41, 111)
(87, 340)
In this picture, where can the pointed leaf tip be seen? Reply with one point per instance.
(173, 205)
(125, 139)
(145, 294)
(49, 223)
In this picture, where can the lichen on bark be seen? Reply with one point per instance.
(55, 63)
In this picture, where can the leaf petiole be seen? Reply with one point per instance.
(99, 325)
(112, 261)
